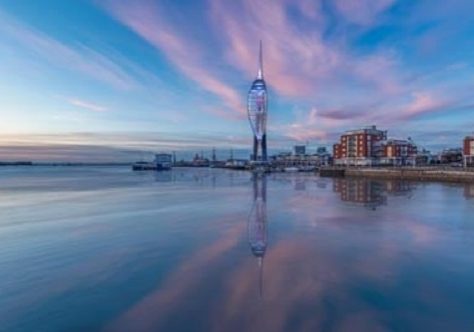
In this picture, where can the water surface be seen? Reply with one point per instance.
(107, 249)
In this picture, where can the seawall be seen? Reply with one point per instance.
(407, 173)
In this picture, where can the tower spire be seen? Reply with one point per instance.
(260, 63)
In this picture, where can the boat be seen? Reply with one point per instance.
(149, 166)
(162, 162)
(144, 166)
(291, 169)
(307, 168)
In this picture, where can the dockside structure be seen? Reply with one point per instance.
(468, 151)
(370, 147)
(358, 147)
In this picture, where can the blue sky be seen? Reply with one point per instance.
(112, 77)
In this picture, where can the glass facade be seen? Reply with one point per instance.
(257, 106)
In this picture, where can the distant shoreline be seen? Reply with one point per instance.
(35, 164)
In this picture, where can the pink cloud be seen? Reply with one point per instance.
(362, 12)
(306, 129)
(222, 113)
(87, 105)
(380, 70)
(289, 53)
(309, 125)
(151, 311)
(422, 103)
(147, 21)
(418, 103)
(298, 61)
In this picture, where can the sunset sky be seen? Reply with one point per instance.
(102, 79)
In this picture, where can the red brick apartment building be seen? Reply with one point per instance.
(370, 146)
(468, 151)
(358, 147)
(398, 152)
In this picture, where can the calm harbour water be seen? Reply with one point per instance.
(106, 249)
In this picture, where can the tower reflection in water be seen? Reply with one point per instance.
(257, 224)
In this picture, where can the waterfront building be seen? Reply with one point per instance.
(163, 158)
(324, 156)
(322, 150)
(299, 150)
(451, 156)
(468, 151)
(162, 161)
(236, 163)
(424, 158)
(359, 147)
(303, 162)
(257, 104)
(200, 161)
(395, 152)
(371, 147)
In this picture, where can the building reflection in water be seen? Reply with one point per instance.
(257, 224)
(300, 185)
(370, 193)
(165, 176)
(469, 190)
